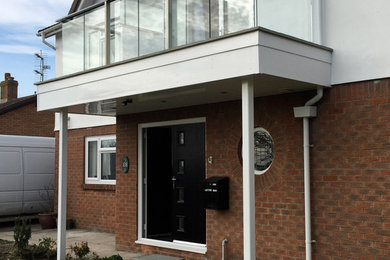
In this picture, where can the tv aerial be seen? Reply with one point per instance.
(41, 68)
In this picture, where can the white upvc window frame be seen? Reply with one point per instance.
(99, 151)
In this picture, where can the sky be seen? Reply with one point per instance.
(20, 21)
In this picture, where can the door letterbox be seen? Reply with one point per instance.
(216, 193)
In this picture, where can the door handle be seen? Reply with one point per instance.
(173, 182)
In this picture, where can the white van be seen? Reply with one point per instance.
(26, 174)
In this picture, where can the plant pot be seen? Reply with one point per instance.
(69, 223)
(47, 220)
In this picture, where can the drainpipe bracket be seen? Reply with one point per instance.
(305, 111)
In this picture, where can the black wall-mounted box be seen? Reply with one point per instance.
(216, 193)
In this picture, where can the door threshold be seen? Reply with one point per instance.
(157, 257)
(177, 245)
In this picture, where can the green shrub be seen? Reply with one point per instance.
(80, 250)
(22, 233)
(46, 248)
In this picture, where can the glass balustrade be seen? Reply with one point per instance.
(141, 27)
(292, 17)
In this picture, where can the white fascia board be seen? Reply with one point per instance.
(77, 121)
(284, 57)
(244, 54)
(212, 61)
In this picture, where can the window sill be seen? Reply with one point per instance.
(101, 187)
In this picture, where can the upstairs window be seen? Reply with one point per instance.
(100, 155)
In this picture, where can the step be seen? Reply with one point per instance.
(157, 257)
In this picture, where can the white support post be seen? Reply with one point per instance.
(62, 184)
(248, 171)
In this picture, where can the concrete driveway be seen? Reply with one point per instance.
(101, 243)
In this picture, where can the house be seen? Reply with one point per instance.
(287, 99)
(19, 116)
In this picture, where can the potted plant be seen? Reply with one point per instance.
(47, 218)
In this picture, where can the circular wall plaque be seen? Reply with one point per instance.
(264, 150)
(125, 164)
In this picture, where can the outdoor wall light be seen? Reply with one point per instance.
(127, 101)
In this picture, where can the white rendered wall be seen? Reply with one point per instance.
(358, 32)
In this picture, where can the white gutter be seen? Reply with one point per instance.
(306, 112)
(48, 32)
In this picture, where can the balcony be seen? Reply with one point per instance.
(120, 30)
(162, 56)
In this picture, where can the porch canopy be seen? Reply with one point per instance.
(205, 72)
(244, 65)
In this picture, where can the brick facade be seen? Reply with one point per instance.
(350, 163)
(280, 210)
(351, 172)
(90, 206)
(26, 121)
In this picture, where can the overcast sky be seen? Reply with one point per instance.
(19, 22)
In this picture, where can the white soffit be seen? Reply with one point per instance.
(248, 53)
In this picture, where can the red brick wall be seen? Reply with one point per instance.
(350, 177)
(351, 172)
(27, 121)
(90, 206)
(280, 215)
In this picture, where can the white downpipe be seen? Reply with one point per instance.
(62, 184)
(306, 169)
(248, 171)
(316, 98)
(223, 248)
(46, 42)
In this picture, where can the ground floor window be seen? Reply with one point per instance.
(100, 155)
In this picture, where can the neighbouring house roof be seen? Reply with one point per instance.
(17, 103)
(74, 6)
(79, 5)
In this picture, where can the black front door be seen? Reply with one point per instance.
(175, 167)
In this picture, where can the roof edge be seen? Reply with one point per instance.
(15, 105)
(74, 6)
